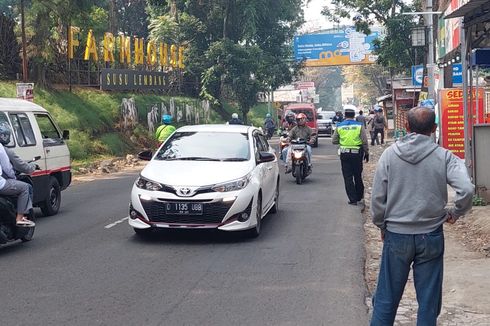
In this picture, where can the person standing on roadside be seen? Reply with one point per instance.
(408, 205)
(369, 125)
(351, 137)
(379, 125)
(361, 118)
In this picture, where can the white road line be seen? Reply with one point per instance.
(108, 226)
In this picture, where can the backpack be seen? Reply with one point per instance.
(379, 119)
(269, 123)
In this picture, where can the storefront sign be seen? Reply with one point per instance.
(25, 91)
(451, 101)
(131, 80)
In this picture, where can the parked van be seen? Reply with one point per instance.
(311, 115)
(34, 133)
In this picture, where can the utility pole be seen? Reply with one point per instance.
(430, 55)
(24, 51)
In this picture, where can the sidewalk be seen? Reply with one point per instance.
(466, 289)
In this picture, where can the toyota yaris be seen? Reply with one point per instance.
(222, 177)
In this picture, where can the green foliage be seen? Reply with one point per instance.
(9, 49)
(479, 201)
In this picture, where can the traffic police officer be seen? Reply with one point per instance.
(351, 136)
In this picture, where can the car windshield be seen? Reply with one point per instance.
(326, 115)
(206, 146)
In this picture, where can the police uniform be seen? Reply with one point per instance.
(351, 136)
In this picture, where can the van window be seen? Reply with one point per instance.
(4, 119)
(22, 129)
(49, 132)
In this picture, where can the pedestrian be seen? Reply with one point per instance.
(379, 125)
(370, 127)
(235, 120)
(408, 205)
(351, 136)
(361, 118)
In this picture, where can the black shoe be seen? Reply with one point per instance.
(352, 203)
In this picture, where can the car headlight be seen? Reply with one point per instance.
(232, 185)
(146, 184)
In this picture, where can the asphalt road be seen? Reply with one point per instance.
(85, 266)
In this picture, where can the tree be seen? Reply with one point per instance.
(9, 51)
(328, 82)
(239, 48)
(369, 82)
(394, 49)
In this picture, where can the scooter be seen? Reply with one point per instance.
(9, 231)
(299, 160)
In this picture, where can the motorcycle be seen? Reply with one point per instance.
(299, 160)
(270, 133)
(9, 230)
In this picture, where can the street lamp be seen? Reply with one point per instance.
(418, 36)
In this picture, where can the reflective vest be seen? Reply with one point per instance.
(350, 134)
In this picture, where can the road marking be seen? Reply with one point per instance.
(108, 226)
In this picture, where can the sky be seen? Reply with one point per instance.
(314, 18)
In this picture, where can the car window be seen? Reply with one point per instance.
(22, 129)
(265, 144)
(206, 146)
(259, 145)
(50, 134)
(4, 119)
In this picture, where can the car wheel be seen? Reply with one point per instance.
(255, 232)
(275, 207)
(51, 205)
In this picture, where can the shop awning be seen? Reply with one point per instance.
(382, 98)
(467, 8)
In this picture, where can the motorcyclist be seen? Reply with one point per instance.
(166, 129)
(269, 125)
(301, 131)
(235, 120)
(338, 118)
(289, 121)
(9, 185)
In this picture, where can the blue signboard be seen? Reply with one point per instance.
(457, 73)
(418, 71)
(344, 47)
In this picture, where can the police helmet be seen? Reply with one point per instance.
(167, 119)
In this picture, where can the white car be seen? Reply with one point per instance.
(222, 177)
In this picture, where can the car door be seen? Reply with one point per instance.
(269, 182)
(55, 148)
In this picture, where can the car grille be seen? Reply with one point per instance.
(213, 213)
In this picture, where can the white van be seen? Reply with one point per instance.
(36, 134)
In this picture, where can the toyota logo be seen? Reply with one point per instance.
(185, 192)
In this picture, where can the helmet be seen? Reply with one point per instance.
(167, 119)
(234, 116)
(268, 115)
(5, 133)
(290, 116)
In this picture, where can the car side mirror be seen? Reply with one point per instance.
(318, 116)
(66, 134)
(145, 155)
(266, 157)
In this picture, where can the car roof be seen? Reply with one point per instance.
(18, 105)
(217, 128)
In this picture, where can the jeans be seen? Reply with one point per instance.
(286, 154)
(352, 172)
(424, 252)
(375, 136)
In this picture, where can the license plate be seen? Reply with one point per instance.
(183, 208)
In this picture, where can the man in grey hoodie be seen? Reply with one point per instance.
(408, 204)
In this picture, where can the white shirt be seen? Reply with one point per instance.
(5, 167)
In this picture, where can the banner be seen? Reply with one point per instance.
(451, 102)
(132, 80)
(25, 91)
(346, 47)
